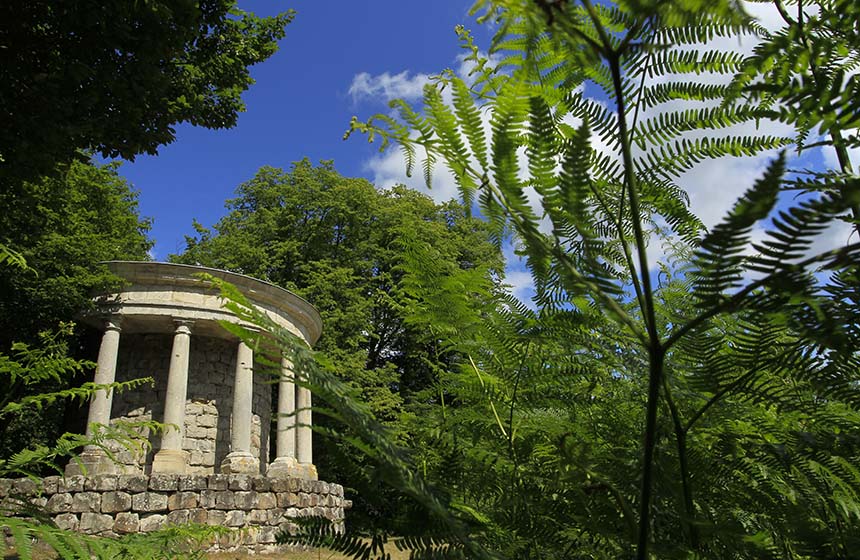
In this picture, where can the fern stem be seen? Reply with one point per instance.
(686, 485)
(655, 350)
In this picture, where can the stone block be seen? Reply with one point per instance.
(49, 484)
(217, 481)
(288, 499)
(86, 501)
(193, 482)
(182, 500)
(207, 420)
(280, 484)
(39, 501)
(132, 483)
(23, 487)
(198, 515)
(261, 483)
(257, 517)
(216, 517)
(207, 498)
(94, 523)
(313, 500)
(113, 502)
(126, 523)
(224, 500)
(266, 500)
(336, 489)
(101, 483)
(267, 535)
(59, 503)
(178, 517)
(5, 487)
(239, 482)
(245, 500)
(275, 516)
(71, 484)
(154, 522)
(67, 521)
(324, 488)
(164, 482)
(235, 518)
(149, 502)
(294, 484)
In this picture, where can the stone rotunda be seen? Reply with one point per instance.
(208, 389)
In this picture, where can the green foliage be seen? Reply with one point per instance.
(61, 228)
(116, 77)
(739, 367)
(337, 242)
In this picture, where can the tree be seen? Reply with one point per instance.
(115, 77)
(62, 227)
(728, 373)
(337, 242)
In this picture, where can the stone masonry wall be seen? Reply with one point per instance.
(209, 400)
(112, 505)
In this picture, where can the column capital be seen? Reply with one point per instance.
(113, 322)
(182, 326)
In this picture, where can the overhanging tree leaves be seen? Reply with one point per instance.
(117, 76)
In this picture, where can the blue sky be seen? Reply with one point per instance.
(340, 59)
(300, 106)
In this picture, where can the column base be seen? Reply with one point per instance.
(240, 462)
(91, 462)
(308, 471)
(283, 467)
(174, 461)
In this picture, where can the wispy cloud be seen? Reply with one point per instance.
(385, 86)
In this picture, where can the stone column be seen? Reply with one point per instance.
(304, 435)
(93, 460)
(285, 462)
(240, 460)
(171, 458)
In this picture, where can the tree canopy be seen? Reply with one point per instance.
(116, 77)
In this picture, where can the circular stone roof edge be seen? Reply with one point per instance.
(133, 270)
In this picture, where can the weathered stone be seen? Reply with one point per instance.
(261, 483)
(193, 482)
(257, 517)
(224, 500)
(5, 487)
(154, 522)
(178, 517)
(39, 501)
(207, 420)
(216, 517)
(274, 516)
(101, 483)
(86, 501)
(280, 484)
(337, 490)
(288, 499)
(67, 521)
(198, 515)
(182, 500)
(163, 482)
(244, 500)
(148, 502)
(218, 482)
(49, 484)
(71, 484)
(113, 502)
(132, 483)
(324, 488)
(235, 518)
(239, 482)
(94, 523)
(24, 487)
(266, 500)
(126, 523)
(59, 503)
(207, 498)
(267, 535)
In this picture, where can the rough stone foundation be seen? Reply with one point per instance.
(255, 506)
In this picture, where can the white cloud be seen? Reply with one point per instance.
(387, 87)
